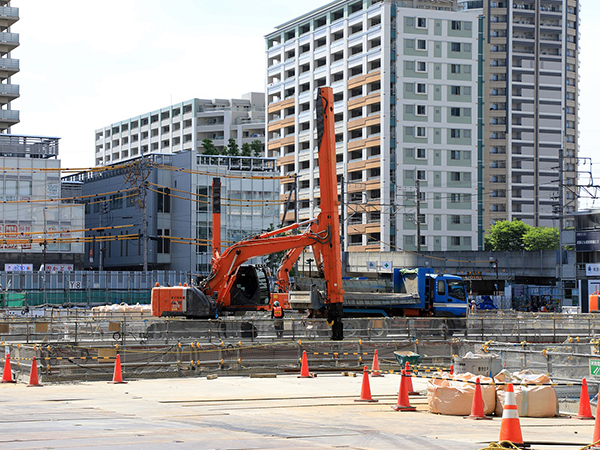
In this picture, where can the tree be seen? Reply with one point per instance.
(232, 148)
(506, 236)
(209, 147)
(246, 149)
(541, 238)
(257, 147)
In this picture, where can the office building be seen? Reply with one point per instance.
(405, 81)
(183, 126)
(155, 211)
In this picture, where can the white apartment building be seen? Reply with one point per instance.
(531, 50)
(405, 83)
(8, 66)
(183, 126)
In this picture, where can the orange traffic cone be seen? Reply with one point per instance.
(477, 410)
(451, 369)
(304, 373)
(117, 377)
(585, 410)
(510, 429)
(596, 441)
(365, 390)
(7, 374)
(409, 385)
(33, 376)
(403, 401)
(375, 372)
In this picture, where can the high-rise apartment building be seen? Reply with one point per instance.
(182, 127)
(8, 66)
(405, 81)
(531, 108)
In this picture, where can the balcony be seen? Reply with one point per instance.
(8, 16)
(8, 92)
(8, 42)
(8, 67)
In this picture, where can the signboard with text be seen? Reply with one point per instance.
(587, 241)
(592, 270)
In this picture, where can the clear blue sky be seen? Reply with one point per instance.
(84, 67)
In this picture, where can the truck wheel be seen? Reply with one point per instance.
(351, 328)
(378, 328)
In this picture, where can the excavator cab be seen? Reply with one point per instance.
(251, 287)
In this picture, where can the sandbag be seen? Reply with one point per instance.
(532, 400)
(449, 395)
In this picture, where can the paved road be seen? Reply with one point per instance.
(247, 413)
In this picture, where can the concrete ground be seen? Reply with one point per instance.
(250, 413)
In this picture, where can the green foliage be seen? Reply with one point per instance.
(517, 236)
(257, 147)
(541, 238)
(246, 149)
(209, 147)
(232, 148)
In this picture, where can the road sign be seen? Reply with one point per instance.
(595, 367)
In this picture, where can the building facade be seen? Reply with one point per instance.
(183, 127)
(37, 227)
(8, 66)
(531, 108)
(405, 83)
(156, 211)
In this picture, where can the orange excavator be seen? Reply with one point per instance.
(233, 286)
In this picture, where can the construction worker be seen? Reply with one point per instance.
(277, 316)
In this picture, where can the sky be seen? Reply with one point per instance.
(84, 67)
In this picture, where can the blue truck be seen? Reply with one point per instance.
(410, 292)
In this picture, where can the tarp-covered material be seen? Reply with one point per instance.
(532, 400)
(451, 396)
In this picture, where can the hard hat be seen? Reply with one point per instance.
(276, 304)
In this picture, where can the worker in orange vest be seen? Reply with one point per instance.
(277, 316)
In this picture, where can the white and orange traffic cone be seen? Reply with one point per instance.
(365, 389)
(510, 429)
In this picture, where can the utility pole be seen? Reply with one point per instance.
(418, 186)
(561, 214)
(144, 225)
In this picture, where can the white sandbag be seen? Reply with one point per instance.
(532, 400)
(451, 396)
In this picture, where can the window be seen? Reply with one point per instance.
(421, 219)
(455, 240)
(409, 109)
(421, 175)
(455, 90)
(454, 198)
(421, 132)
(455, 46)
(455, 112)
(454, 154)
(163, 241)
(421, 153)
(409, 87)
(456, 25)
(421, 22)
(421, 88)
(163, 200)
(455, 219)
(421, 44)
(454, 68)
(116, 201)
(441, 287)
(421, 66)
(454, 176)
(454, 133)
(421, 111)
(410, 43)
